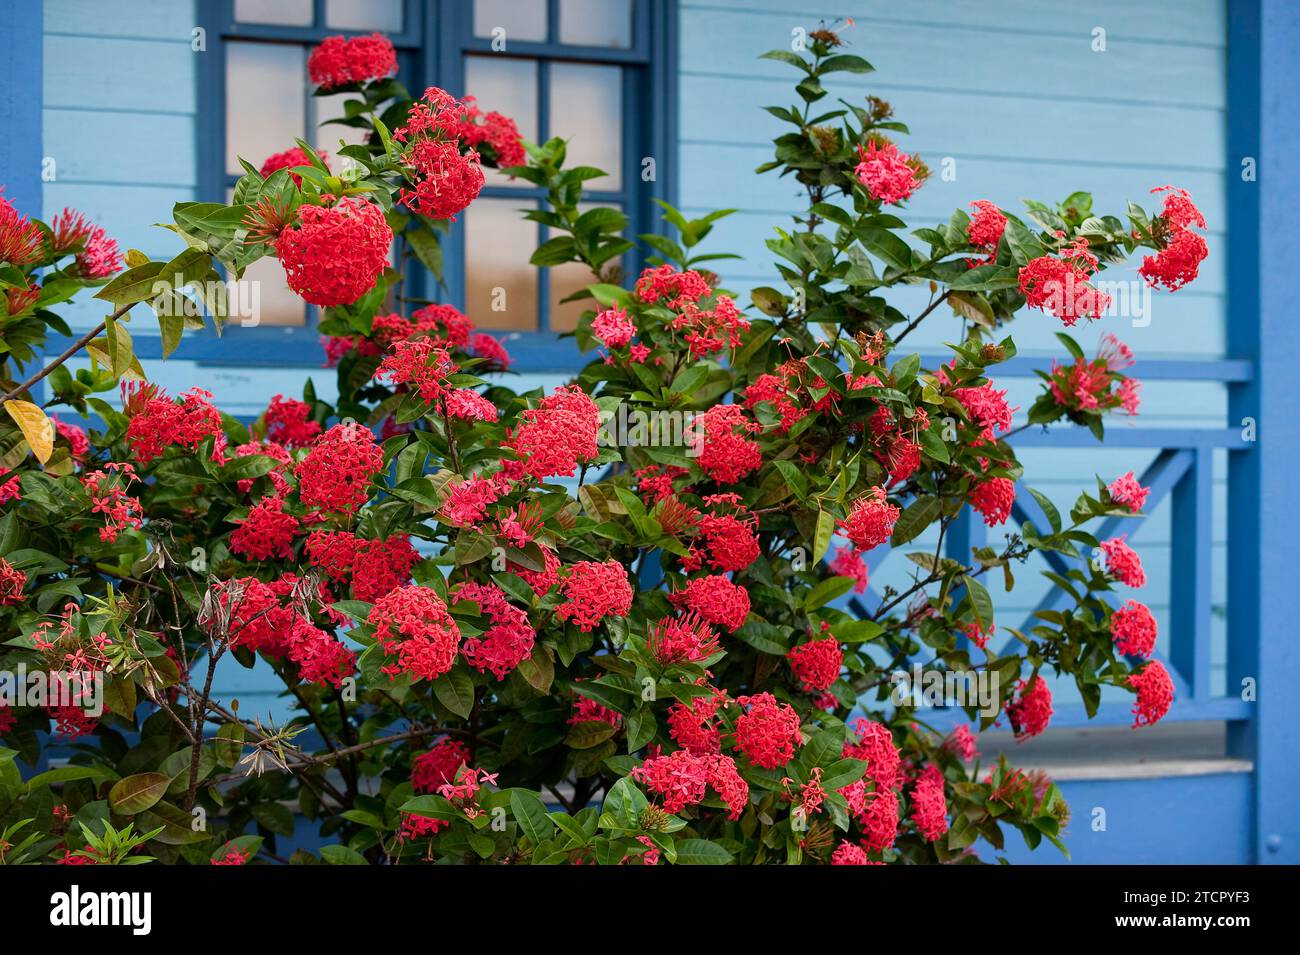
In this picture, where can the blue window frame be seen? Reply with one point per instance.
(450, 43)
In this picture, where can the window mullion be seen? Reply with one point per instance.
(544, 134)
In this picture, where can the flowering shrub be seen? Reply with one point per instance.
(505, 638)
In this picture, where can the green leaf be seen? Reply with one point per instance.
(133, 285)
(530, 813)
(275, 817)
(827, 590)
(455, 690)
(702, 852)
(589, 733)
(980, 601)
(137, 793)
(919, 515)
(1049, 509)
(845, 62)
(822, 538)
(230, 743)
(342, 855)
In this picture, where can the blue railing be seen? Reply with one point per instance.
(1182, 472)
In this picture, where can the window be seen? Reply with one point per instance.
(595, 72)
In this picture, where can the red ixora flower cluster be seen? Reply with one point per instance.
(887, 173)
(339, 467)
(683, 639)
(374, 567)
(929, 806)
(1030, 710)
(816, 664)
(108, 496)
(339, 61)
(12, 582)
(1097, 385)
(496, 131)
(1123, 563)
(335, 253)
(875, 747)
(716, 599)
(97, 256)
(505, 644)
(288, 160)
(413, 624)
(848, 562)
(993, 499)
(1155, 693)
(558, 435)
(725, 455)
(1128, 492)
(1181, 251)
(595, 590)
(730, 533)
(439, 766)
(767, 732)
(985, 230)
(613, 328)
(157, 422)
(271, 619)
(289, 423)
(870, 521)
(21, 242)
(1133, 628)
(987, 408)
(446, 178)
(682, 779)
(267, 532)
(1060, 284)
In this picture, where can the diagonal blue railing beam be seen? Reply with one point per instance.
(1161, 476)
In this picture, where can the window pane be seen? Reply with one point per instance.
(567, 279)
(500, 285)
(263, 296)
(596, 23)
(382, 15)
(587, 110)
(508, 86)
(266, 92)
(327, 137)
(269, 298)
(292, 13)
(521, 19)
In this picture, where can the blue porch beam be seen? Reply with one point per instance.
(1263, 522)
(1174, 369)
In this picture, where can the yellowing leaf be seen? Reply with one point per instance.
(36, 428)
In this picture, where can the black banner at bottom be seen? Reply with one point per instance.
(331, 903)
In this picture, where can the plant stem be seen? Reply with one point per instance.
(75, 347)
(920, 318)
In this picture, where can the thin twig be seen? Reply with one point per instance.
(75, 347)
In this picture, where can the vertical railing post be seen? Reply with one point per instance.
(1191, 560)
(1263, 522)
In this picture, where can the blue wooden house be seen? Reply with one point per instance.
(122, 108)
